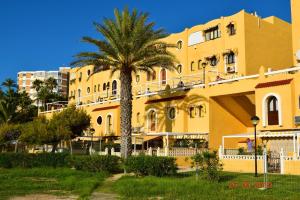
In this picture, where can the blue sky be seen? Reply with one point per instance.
(45, 34)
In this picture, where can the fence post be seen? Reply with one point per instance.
(265, 161)
(150, 151)
(281, 161)
(166, 151)
(158, 151)
(113, 151)
(220, 152)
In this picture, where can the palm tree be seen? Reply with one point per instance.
(51, 83)
(37, 85)
(9, 84)
(130, 45)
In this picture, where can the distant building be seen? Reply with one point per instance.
(26, 78)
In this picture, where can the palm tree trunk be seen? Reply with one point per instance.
(126, 111)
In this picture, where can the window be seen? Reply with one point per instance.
(153, 75)
(273, 117)
(192, 66)
(199, 64)
(192, 112)
(152, 120)
(108, 124)
(98, 87)
(212, 33)
(230, 58)
(104, 86)
(163, 76)
(213, 61)
(114, 88)
(137, 78)
(138, 118)
(179, 69)
(79, 92)
(80, 76)
(88, 72)
(88, 90)
(199, 110)
(95, 88)
(171, 113)
(231, 29)
(99, 120)
(71, 93)
(299, 102)
(179, 44)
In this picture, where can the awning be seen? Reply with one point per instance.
(264, 134)
(147, 138)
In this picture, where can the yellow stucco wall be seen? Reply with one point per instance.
(292, 167)
(239, 165)
(295, 5)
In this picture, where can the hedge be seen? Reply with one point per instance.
(95, 163)
(25, 160)
(151, 165)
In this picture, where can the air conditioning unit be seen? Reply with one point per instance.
(297, 120)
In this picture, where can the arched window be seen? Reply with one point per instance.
(192, 112)
(179, 44)
(273, 117)
(148, 76)
(192, 66)
(213, 61)
(163, 76)
(114, 88)
(199, 64)
(79, 92)
(88, 72)
(138, 120)
(95, 88)
(179, 69)
(104, 86)
(88, 90)
(109, 124)
(152, 120)
(230, 58)
(99, 120)
(98, 87)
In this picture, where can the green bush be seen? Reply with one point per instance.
(209, 164)
(25, 160)
(151, 165)
(96, 163)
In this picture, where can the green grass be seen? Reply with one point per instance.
(187, 187)
(60, 181)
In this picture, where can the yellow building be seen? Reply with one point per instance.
(296, 29)
(218, 86)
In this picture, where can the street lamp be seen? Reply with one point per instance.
(255, 121)
(203, 67)
(91, 131)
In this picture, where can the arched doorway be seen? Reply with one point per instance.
(163, 76)
(152, 120)
(272, 112)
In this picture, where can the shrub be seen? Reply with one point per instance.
(151, 165)
(209, 164)
(241, 151)
(25, 160)
(96, 163)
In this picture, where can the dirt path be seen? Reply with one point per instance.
(104, 191)
(44, 197)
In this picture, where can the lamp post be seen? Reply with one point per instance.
(92, 131)
(255, 121)
(203, 67)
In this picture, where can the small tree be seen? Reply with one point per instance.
(209, 163)
(9, 133)
(68, 124)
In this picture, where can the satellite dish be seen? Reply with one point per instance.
(298, 54)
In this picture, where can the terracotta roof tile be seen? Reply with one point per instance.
(273, 83)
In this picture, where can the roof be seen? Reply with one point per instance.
(273, 83)
(105, 108)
